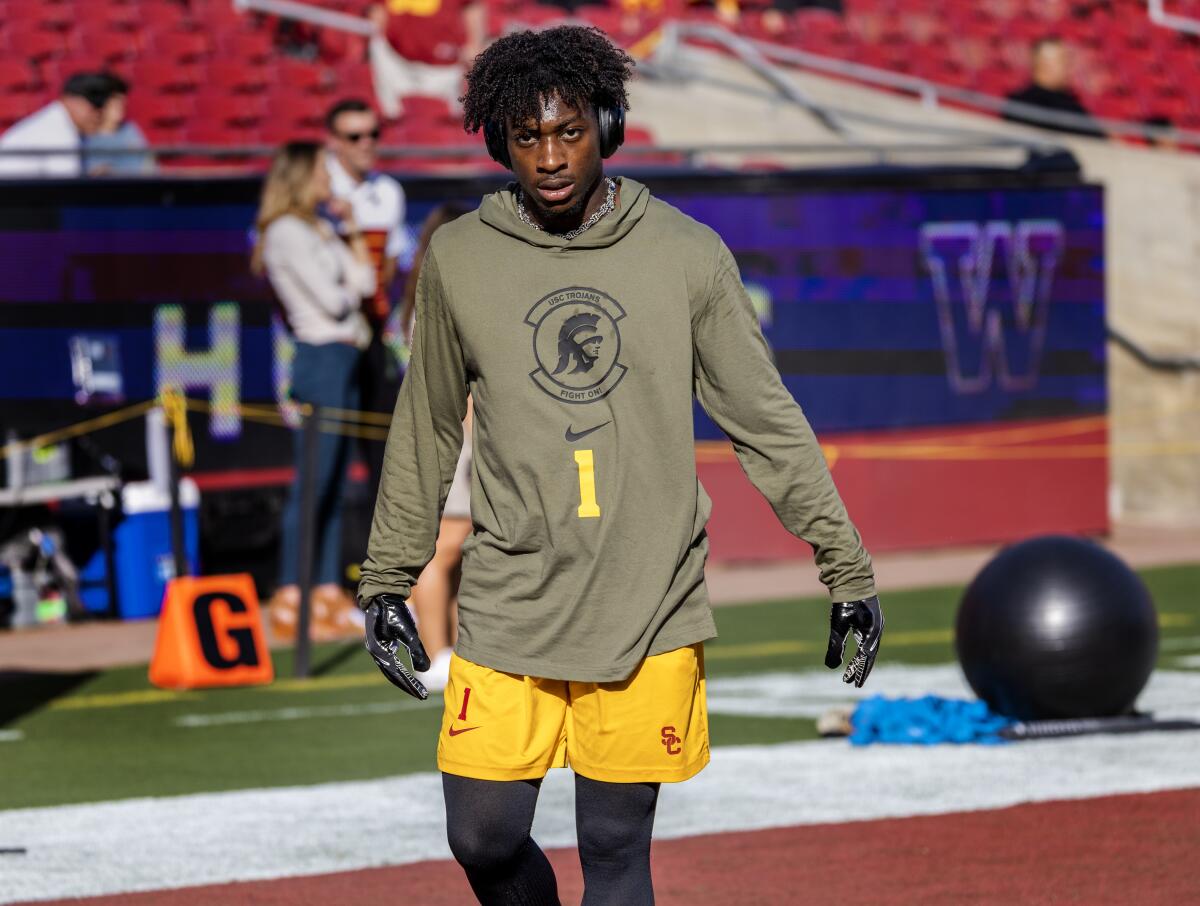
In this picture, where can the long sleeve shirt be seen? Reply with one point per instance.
(319, 281)
(582, 357)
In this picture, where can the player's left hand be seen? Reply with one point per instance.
(390, 625)
(865, 619)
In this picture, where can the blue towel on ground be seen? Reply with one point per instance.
(925, 721)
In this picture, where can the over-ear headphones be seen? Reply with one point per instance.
(611, 119)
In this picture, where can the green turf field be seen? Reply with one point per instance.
(111, 735)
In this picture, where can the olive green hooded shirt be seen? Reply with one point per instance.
(582, 357)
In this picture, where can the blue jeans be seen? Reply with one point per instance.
(324, 376)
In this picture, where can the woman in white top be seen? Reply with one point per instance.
(320, 279)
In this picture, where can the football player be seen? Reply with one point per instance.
(581, 314)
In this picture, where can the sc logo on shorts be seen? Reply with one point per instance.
(673, 743)
(577, 344)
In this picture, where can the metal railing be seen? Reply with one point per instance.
(306, 12)
(1159, 16)
(931, 94)
(1152, 360)
(696, 157)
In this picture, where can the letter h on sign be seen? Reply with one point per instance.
(992, 319)
(216, 369)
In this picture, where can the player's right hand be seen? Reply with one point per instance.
(389, 626)
(865, 620)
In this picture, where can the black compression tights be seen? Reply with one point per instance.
(488, 824)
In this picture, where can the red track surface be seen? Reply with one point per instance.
(1138, 849)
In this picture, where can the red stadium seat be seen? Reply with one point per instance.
(181, 46)
(201, 131)
(276, 130)
(51, 17)
(162, 135)
(306, 77)
(165, 78)
(160, 112)
(423, 109)
(338, 47)
(354, 79)
(117, 17)
(236, 78)
(231, 110)
(18, 78)
(419, 134)
(296, 109)
(110, 47)
(24, 41)
(246, 47)
(164, 17)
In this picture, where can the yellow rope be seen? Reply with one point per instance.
(353, 430)
(78, 429)
(356, 415)
(1012, 443)
(267, 414)
(175, 408)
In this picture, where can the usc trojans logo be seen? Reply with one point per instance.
(673, 743)
(577, 344)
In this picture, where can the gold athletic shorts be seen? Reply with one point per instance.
(649, 728)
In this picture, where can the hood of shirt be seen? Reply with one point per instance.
(499, 211)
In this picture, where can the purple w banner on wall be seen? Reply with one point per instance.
(992, 283)
(993, 286)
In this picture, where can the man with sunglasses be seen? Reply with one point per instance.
(377, 203)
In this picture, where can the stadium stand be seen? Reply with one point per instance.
(204, 69)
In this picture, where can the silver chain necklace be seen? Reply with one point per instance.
(609, 204)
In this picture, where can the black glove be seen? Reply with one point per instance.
(390, 625)
(865, 620)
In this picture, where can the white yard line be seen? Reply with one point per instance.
(300, 713)
(11, 735)
(147, 844)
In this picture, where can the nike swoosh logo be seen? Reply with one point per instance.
(572, 436)
(453, 732)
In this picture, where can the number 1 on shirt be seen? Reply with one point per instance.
(588, 508)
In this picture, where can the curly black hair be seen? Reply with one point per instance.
(512, 76)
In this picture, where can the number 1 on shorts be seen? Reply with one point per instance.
(588, 508)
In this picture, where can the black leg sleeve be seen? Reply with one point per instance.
(488, 822)
(614, 822)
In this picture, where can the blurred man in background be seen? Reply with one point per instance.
(377, 204)
(60, 126)
(109, 149)
(1050, 89)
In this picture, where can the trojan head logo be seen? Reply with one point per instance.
(576, 344)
